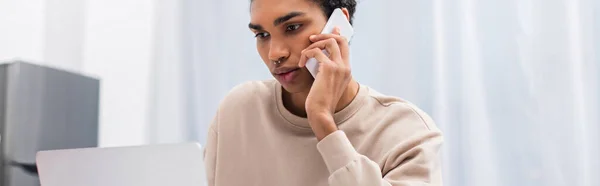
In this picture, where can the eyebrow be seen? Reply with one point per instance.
(277, 21)
(255, 27)
(286, 17)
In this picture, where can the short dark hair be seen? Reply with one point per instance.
(327, 6)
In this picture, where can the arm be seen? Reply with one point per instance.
(413, 162)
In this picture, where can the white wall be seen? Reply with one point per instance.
(48, 32)
(64, 33)
(117, 47)
(22, 29)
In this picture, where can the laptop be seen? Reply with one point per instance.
(149, 165)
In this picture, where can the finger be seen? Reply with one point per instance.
(336, 30)
(317, 54)
(303, 59)
(335, 33)
(342, 42)
(319, 37)
(330, 45)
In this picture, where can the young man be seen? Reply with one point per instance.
(328, 130)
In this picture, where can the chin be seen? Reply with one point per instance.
(302, 86)
(295, 88)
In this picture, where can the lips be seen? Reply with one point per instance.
(286, 75)
(283, 70)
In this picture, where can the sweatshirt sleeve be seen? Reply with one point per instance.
(418, 162)
(210, 154)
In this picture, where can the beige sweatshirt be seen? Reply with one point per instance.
(383, 140)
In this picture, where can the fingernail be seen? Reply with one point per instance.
(312, 37)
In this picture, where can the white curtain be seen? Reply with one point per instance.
(514, 84)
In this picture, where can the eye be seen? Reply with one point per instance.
(292, 27)
(261, 35)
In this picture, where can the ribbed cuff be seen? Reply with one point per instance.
(336, 150)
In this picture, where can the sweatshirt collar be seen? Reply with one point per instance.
(339, 117)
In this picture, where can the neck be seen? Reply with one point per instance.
(295, 102)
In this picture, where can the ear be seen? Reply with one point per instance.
(345, 11)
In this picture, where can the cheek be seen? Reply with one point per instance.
(300, 42)
(263, 50)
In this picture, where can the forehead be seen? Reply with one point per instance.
(268, 10)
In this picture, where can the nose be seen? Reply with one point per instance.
(278, 51)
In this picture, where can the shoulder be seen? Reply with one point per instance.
(401, 129)
(249, 93)
(243, 100)
(401, 111)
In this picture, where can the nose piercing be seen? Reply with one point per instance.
(277, 62)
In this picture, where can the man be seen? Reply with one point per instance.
(327, 130)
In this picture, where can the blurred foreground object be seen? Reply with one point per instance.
(42, 108)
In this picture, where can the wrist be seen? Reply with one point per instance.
(322, 124)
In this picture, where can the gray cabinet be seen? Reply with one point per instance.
(43, 108)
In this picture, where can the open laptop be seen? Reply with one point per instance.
(150, 165)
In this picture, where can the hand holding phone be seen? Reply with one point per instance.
(327, 59)
(339, 20)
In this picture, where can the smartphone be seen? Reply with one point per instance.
(337, 19)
